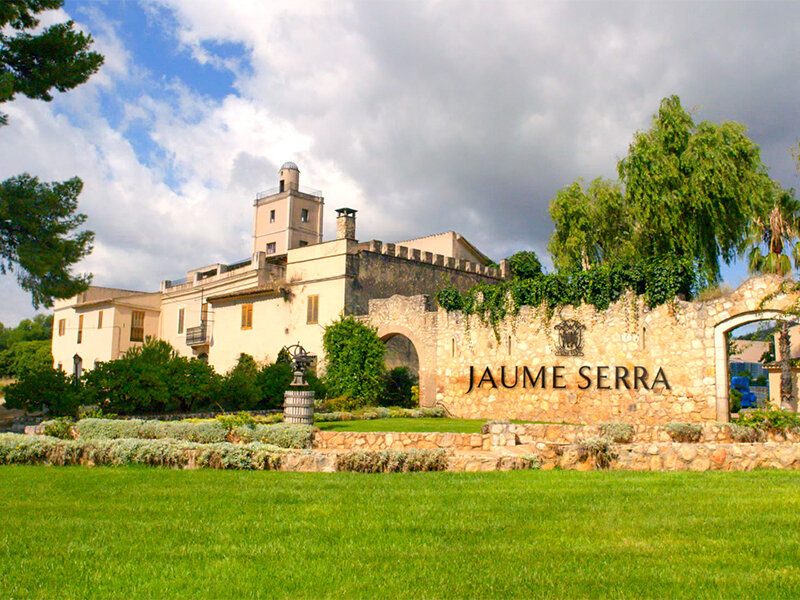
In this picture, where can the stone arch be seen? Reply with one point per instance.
(721, 357)
(411, 317)
(425, 359)
(401, 352)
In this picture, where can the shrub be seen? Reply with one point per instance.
(239, 387)
(398, 387)
(231, 456)
(24, 449)
(740, 433)
(95, 413)
(151, 379)
(231, 421)
(617, 431)
(354, 356)
(343, 403)
(273, 381)
(392, 461)
(770, 419)
(45, 388)
(530, 461)
(59, 428)
(600, 449)
(684, 432)
(283, 435)
(735, 399)
(202, 432)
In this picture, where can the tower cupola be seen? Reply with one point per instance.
(289, 177)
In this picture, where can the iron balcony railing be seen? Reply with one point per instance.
(197, 336)
(298, 188)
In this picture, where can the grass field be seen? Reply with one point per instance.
(157, 533)
(408, 424)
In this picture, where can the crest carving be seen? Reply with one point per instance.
(570, 338)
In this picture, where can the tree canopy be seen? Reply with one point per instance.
(39, 221)
(687, 191)
(525, 265)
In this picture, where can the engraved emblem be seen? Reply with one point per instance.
(570, 338)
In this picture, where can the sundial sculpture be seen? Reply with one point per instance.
(298, 406)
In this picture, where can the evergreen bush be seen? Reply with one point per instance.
(398, 386)
(354, 355)
(44, 388)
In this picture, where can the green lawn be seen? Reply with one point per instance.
(409, 424)
(156, 533)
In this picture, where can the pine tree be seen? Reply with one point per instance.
(38, 221)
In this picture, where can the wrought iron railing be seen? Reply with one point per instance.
(197, 336)
(299, 188)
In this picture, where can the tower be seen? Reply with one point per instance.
(288, 216)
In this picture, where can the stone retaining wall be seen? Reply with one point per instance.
(353, 440)
(510, 434)
(505, 435)
(680, 457)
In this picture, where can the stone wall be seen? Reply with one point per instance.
(684, 341)
(385, 271)
(512, 434)
(352, 440)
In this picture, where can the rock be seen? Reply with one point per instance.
(687, 452)
(719, 455)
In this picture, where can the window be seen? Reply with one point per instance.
(100, 320)
(62, 326)
(80, 329)
(247, 316)
(271, 248)
(302, 243)
(272, 216)
(137, 326)
(312, 316)
(304, 215)
(180, 320)
(282, 186)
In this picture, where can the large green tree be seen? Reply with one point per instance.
(592, 226)
(38, 221)
(687, 191)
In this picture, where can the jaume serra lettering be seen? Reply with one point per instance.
(601, 377)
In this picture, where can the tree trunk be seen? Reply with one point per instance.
(786, 372)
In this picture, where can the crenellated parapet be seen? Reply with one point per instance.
(439, 260)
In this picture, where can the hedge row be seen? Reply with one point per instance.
(31, 450)
(284, 435)
(393, 461)
(17, 449)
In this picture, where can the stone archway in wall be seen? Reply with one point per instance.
(721, 357)
(405, 349)
(408, 325)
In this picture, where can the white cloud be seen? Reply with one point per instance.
(424, 116)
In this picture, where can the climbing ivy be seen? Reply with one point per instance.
(658, 281)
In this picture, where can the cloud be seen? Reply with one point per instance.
(424, 116)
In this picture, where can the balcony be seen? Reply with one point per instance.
(197, 336)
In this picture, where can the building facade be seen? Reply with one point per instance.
(291, 286)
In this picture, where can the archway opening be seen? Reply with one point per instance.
(736, 360)
(751, 352)
(402, 365)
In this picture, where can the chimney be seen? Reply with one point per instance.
(345, 224)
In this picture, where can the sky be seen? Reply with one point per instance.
(424, 116)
